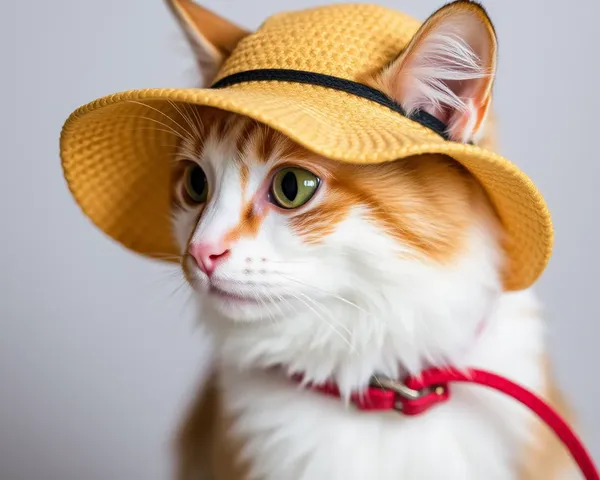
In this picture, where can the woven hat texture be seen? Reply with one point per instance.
(116, 150)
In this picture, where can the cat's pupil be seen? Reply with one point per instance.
(289, 186)
(197, 180)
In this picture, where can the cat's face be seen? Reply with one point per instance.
(268, 229)
(315, 264)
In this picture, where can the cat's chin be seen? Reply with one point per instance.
(243, 309)
(221, 304)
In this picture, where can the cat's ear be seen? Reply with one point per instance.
(447, 69)
(211, 36)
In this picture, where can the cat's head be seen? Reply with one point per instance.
(303, 254)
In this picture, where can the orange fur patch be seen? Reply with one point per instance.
(427, 202)
(248, 226)
(244, 177)
(205, 442)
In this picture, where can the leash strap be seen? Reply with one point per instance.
(419, 393)
(537, 405)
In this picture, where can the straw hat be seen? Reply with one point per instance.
(300, 73)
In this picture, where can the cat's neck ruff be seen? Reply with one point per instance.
(316, 429)
(382, 392)
(351, 365)
(385, 393)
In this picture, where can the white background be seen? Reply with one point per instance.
(97, 355)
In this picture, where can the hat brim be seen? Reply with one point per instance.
(116, 150)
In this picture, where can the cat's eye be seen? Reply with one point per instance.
(292, 187)
(195, 183)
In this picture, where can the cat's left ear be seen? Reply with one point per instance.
(447, 69)
(211, 36)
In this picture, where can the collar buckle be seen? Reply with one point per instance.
(411, 401)
(400, 388)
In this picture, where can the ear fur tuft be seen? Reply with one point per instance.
(448, 69)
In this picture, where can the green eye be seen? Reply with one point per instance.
(292, 187)
(195, 183)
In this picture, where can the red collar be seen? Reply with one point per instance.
(410, 397)
(417, 394)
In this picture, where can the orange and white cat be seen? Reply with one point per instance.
(338, 271)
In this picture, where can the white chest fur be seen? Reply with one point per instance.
(301, 435)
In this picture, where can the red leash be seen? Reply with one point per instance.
(417, 394)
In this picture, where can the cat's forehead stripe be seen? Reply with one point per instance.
(244, 177)
(244, 135)
(266, 143)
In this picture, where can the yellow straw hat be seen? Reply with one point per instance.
(300, 73)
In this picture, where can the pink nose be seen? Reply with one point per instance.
(208, 255)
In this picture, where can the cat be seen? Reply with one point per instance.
(337, 271)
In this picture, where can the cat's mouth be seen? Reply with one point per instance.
(243, 305)
(233, 297)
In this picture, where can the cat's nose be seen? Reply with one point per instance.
(208, 255)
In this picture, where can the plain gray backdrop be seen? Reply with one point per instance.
(98, 354)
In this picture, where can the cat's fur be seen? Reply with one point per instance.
(388, 268)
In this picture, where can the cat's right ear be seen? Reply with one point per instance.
(211, 36)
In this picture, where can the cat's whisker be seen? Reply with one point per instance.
(288, 262)
(177, 289)
(158, 256)
(276, 303)
(323, 319)
(272, 318)
(182, 285)
(288, 303)
(170, 269)
(172, 277)
(169, 128)
(164, 115)
(197, 124)
(174, 146)
(272, 300)
(186, 304)
(316, 303)
(164, 278)
(185, 117)
(281, 298)
(325, 292)
(169, 260)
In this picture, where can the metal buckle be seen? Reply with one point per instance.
(400, 388)
(407, 393)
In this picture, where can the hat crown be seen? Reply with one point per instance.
(349, 41)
